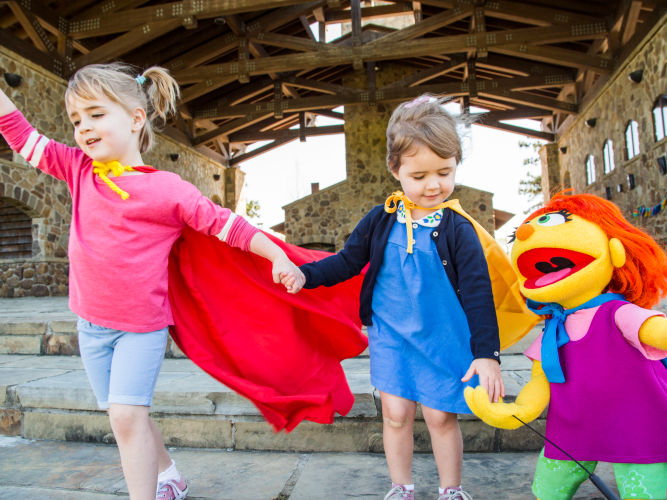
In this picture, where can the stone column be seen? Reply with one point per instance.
(551, 181)
(234, 196)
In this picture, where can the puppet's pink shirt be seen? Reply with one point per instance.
(629, 319)
(119, 249)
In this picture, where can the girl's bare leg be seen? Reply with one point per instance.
(447, 445)
(399, 417)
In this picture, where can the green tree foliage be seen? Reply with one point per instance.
(531, 186)
(252, 209)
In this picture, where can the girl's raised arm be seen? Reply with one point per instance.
(49, 156)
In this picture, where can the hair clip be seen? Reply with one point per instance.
(140, 79)
(420, 100)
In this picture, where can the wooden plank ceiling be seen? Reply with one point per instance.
(252, 69)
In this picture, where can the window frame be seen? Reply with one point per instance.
(632, 145)
(660, 103)
(608, 156)
(590, 170)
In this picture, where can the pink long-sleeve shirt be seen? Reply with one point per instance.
(119, 249)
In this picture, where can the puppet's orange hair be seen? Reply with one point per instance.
(643, 278)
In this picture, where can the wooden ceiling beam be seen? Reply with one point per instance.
(513, 114)
(501, 89)
(425, 26)
(547, 136)
(119, 22)
(305, 83)
(261, 150)
(496, 42)
(289, 42)
(428, 74)
(521, 12)
(219, 46)
(127, 42)
(554, 55)
(56, 22)
(329, 113)
(107, 7)
(33, 28)
(230, 128)
(524, 98)
(369, 13)
(286, 133)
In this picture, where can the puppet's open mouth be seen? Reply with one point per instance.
(545, 266)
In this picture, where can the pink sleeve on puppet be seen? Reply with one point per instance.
(629, 319)
(534, 352)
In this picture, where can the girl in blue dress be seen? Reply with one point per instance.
(426, 298)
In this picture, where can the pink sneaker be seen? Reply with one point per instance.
(173, 490)
(452, 494)
(397, 492)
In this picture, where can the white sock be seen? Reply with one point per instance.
(408, 487)
(441, 491)
(170, 473)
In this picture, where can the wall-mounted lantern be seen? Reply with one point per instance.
(563, 150)
(619, 188)
(636, 76)
(13, 80)
(216, 177)
(591, 122)
(174, 156)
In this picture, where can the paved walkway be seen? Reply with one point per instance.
(52, 470)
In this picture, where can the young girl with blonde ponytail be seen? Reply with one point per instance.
(121, 235)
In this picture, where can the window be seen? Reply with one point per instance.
(632, 139)
(15, 232)
(631, 181)
(607, 192)
(608, 153)
(590, 170)
(660, 117)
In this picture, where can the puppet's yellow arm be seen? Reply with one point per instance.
(653, 332)
(530, 403)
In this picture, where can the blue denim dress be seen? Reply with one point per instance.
(420, 339)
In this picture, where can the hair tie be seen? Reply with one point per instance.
(140, 79)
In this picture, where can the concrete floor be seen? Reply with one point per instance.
(54, 470)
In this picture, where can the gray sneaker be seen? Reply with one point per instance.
(397, 492)
(451, 494)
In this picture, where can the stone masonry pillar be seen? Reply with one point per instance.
(234, 196)
(551, 181)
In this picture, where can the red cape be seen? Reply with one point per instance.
(280, 351)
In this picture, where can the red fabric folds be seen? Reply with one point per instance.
(281, 351)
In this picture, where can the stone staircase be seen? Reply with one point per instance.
(44, 394)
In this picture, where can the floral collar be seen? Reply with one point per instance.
(431, 220)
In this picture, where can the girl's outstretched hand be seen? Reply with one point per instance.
(489, 377)
(285, 272)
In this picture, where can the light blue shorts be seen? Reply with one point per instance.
(122, 367)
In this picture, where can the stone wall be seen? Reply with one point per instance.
(330, 215)
(46, 200)
(620, 101)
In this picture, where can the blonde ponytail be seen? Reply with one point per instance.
(118, 82)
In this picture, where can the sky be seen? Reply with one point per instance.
(493, 161)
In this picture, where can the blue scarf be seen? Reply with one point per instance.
(555, 335)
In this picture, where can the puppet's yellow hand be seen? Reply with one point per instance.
(653, 332)
(530, 403)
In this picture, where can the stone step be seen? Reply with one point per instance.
(46, 326)
(48, 397)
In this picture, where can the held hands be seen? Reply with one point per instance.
(285, 272)
(530, 403)
(489, 377)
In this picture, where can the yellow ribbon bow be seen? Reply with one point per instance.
(409, 205)
(515, 320)
(103, 169)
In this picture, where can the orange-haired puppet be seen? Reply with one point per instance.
(597, 363)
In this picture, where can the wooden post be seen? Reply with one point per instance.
(278, 99)
(244, 55)
(370, 72)
(355, 8)
(302, 126)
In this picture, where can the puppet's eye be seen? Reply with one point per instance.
(551, 219)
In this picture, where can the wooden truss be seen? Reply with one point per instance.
(253, 70)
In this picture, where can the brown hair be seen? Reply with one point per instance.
(117, 81)
(424, 122)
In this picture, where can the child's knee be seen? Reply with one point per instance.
(126, 420)
(436, 419)
(396, 424)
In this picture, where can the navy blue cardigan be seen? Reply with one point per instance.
(460, 252)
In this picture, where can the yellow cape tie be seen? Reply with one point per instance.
(515, 320)
(399, 196)
(103, 169)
